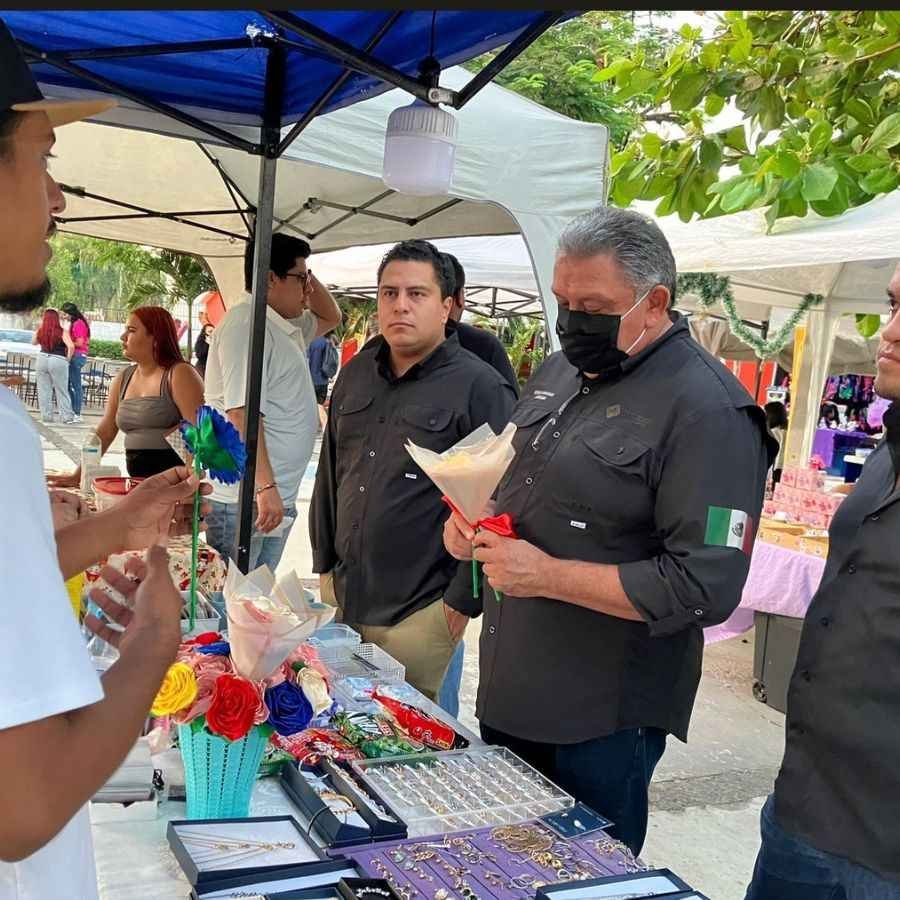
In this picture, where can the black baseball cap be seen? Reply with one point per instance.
(19, 91)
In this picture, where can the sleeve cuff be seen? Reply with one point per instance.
(458, 595)
(645, 588)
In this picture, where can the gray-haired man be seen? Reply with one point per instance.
(637, 482)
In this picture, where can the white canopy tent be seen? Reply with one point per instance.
(509, 177)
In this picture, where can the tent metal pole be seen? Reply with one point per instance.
(36, 55)
(138, 50)
(269, 137)
(339, 82)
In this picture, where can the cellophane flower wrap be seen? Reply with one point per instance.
(469, 472)
(267, 621)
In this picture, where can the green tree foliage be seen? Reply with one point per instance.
(819, 96)
(557, 70)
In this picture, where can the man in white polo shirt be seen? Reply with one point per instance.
(300, 309)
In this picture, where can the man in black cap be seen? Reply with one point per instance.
(53, 706)
(829, 829)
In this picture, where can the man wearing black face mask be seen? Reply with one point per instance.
(637, 483)
(829, 829)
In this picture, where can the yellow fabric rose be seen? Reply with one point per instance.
(178, 690)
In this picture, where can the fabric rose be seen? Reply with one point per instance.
(207, 669)
(289, 710)
(314, 689)
(235, 702)
(207, 637)
(177, 691)
(262, 711)
(222, 648)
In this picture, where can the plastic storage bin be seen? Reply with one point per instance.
(362, 661)
(335, 635)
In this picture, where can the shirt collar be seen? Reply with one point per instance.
(440, 356)
(276, 318)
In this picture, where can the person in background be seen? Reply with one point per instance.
(52, 369)
(80, 332)
(829, 828)
(487, 347)
(479, 341)
(777, 423)
(375, 518)
(63, 730)
(323, 365)
(147, 400)
(201, 348)
(299, 309)
(829, 415)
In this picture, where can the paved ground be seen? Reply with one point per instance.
(706, 796)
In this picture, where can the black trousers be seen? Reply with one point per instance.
(144, 463)
(610, 774)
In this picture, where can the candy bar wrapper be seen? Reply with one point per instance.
(420, 726)
(267, 621)
(469, 472)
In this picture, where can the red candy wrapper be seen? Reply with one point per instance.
(311, 745)
(420, 726)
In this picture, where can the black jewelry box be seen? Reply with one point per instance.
(198, 876)
(283, 883)
(672, 886)
(345, 889)
(326, 823)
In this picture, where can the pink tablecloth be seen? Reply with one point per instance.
(780, 581)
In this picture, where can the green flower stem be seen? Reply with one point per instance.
(195, 541)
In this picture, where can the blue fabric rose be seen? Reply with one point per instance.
(289, 710)
(220, 648)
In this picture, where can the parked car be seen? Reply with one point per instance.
(16, 340)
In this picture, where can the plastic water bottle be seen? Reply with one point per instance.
(91, 454)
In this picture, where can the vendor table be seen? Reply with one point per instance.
(780, 581)
(133, 859)
(830, 444)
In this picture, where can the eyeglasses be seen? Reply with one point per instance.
(302, 277)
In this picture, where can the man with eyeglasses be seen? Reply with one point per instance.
(300, 308)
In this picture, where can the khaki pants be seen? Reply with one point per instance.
(422, 641)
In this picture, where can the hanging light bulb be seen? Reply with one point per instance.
(420, 142)
(420, 149)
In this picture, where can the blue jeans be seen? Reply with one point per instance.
(76, 391)
(787, 868)
(610, 774)
(221, 534)
(448, 698)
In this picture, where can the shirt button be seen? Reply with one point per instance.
(556, 434)
(698, 612)
(529, 480)
(874, 517)
(585, 390)
(805, 675)
(492, 629)
(620, 451)
(432, 421)
(371, 453)
(851, 569)
(355, 526)
(825, 621)
(381, 419)
(362, 488)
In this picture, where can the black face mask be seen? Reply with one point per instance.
(891, 423)
(590, 342)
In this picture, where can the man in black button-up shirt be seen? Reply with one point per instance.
(831, 828)
(634, 446)
(375, 518)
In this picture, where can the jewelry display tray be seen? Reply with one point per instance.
(305, 856)
(364, 660)
(461, 789)
(520, 875)
(326, 823)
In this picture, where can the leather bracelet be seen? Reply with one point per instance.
(265, 487)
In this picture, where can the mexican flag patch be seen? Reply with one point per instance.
(729, 528)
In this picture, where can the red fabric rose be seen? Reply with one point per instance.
(208, 637)
(501, 525)
(234, 707)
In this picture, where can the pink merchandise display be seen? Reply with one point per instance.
(802, 498)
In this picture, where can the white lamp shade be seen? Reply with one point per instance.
(419, 150)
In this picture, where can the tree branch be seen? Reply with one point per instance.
(876, 54)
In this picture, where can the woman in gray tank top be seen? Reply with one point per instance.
(149, 398)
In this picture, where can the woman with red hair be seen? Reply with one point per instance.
(52, 369)
(149, 398)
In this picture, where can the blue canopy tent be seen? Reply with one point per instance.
(253, 81)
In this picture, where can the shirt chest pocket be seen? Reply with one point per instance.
(428, 426)
(353, 419)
